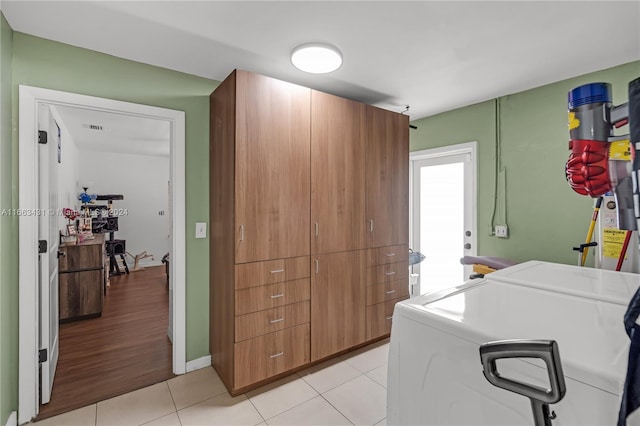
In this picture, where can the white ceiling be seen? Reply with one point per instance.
(431, 55)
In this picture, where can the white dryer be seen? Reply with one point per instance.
(435, 375)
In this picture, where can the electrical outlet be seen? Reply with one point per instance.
(502, 231)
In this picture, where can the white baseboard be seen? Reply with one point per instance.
(13, 419)
(199, 363)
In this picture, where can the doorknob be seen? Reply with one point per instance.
(468, 233)
(467, 246)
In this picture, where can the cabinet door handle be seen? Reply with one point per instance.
(390, 254)
(317, 228)
(370, 225)
(276, 355)
(276, 271)
(389, 318)
(390, 273)
(241, 232)
(390, 292)
(317, 265)
(275, 296)
(276, 320)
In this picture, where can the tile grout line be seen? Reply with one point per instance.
(255, 408)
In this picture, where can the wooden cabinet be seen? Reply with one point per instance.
(387, 174)
(272, 179)
(337, 174)
(308, 211)
(387, 284)
(338, 296)
(81, 279)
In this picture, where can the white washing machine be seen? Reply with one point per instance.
(435, 375)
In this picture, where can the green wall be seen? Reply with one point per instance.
(8, 236)
(545, 217)
(47, 64)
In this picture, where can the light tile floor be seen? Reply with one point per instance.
(350, 389)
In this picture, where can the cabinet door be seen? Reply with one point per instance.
(387, 178)
(338, 300)
(272, 196)
(337, 174)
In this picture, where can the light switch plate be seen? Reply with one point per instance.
(201, 230)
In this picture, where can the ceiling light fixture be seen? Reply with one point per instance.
(316, 58)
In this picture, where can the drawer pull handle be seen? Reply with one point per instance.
(276, 355)
(388, 318)
(390, 273)
(317, 265)
(317, 228)
(275, 296)
(241, 232)
(390, 254)
(277, 271)
(276, 320)
(370, 225)
(390, 292)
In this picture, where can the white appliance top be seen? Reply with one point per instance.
(581, 308)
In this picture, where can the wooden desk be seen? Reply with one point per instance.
(81, 280)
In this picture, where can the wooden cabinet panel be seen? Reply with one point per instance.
(269, 296)
(81, 256)
(386, 273)
(270, 320)
(272, 188)
(271, 354)
(389, 254)
(337, 174)
(81, 294)
(387, 177)
(392, 290)
(338, 293)
(379, 318)
(272, 271)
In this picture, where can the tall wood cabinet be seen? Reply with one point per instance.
(297, 177)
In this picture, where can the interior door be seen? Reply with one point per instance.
(48, 230)
(443, 223)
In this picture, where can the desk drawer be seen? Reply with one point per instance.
(392, 290)
(387, 273)
(270, 296)
(272, 271)
(271, 354)
(270, 320)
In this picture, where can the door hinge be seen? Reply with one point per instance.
(42, 355)
(42, 137)
(42, 246)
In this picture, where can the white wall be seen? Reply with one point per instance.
(143, 180)
(68, 171)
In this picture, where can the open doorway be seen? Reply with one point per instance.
(32, 321)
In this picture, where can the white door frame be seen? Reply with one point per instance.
(445, 151)
(29, 100)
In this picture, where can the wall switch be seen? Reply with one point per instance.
(201, 230)
(502, 231)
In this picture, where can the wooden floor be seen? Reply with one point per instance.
(127, 348)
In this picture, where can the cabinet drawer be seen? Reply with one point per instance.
(387, 273)
(80, 257)
(379, 318)
(272, 271)
(270, 320)
(392, 290)
(389, 254)
(265, 356)
(270, 296)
